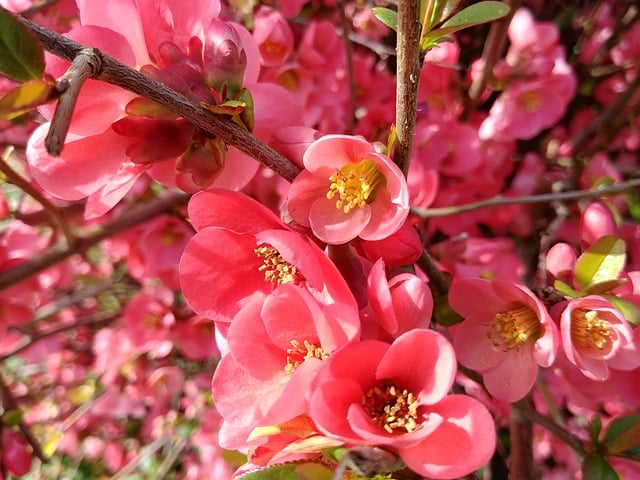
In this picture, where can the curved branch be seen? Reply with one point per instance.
(114, 72)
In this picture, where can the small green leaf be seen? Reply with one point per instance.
(629, 310)
(443, 314)
(632, 197)
(601, 262)
(387, 16)
(596, 467)
(565, 289)
(24, 98)
(442, 10)
(21, 55)
(594, 428)
(476, 14)
(143, 107)
(623, 435)
(290, 471)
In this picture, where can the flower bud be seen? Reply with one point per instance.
(224, 58)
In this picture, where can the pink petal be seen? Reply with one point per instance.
(512, 379)
(336, 151)
(334, 226)
(462, 443)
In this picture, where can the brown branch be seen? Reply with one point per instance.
(543, 198)
(521, 442)
(114, 72)
(84, 66)
(408, 78)
(344, 22)
(61, 252)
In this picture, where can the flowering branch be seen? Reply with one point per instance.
(112, 71)
(547, 197)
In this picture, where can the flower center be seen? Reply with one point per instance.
(298, 353)
(355, 185)
(276, 269)
(589, 331)
(509, 330)
(394, 409)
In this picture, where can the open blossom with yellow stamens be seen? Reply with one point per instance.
(348, 190)
(396, 396)
(596, 337)
(506, 334)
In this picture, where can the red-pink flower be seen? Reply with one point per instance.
(242, 252)
(505, 335)
(275, 349)
(396, 396)
(596, 336)
(348, 190)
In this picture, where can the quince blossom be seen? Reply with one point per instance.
(596, 336)
(396, 396)
(506, 334)
(348, 190)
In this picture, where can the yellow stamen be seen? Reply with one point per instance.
(394, 409)
(589, 331)
(301, 352)
(356, 185)
(511, 329)
(276, 269)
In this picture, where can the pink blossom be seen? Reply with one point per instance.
(596, 337)
(273, 36)
(506, 333)
(242, 252)
(402, 303)
(396, 397)
(348, 190)
(275, 349)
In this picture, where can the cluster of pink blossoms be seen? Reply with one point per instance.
(289, 321)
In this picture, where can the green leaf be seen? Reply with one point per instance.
(623, 435)
(291, 471)
(601, 288)
(601, 262)
(596, 467)
(387, 16)
(629, 310)
(476, 14)
(594, 428)
(565, 289)
(442, 10)
(21, 55)
(632, 197)
(24, 98)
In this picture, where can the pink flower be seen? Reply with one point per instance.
(275, 349)
(348, 190)
(402, 303)
(505, 335)
(242, 252)
(596, 336)
(396, 396)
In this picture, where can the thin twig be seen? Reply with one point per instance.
(16, 179)
(344, 22)
(543, 198)
(408, 78)
(521, 442)
(61, 252)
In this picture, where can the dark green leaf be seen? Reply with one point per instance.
(594, 429)
(601, 262)
(596, 467)
(21, 55)
(475, 14)
(442, 10)
(623, 435)
(387, 16)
